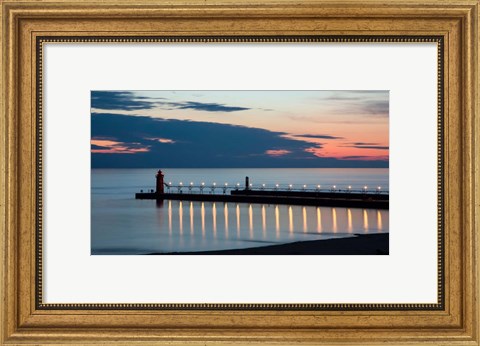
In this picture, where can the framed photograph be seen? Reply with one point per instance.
(222, 173)
(302, 193)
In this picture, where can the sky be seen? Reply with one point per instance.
(223, 129)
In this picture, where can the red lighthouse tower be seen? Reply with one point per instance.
(160, 182)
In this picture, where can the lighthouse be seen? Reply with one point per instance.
(160, 182)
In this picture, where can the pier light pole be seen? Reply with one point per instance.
(190, 187)
(202, 186)
(159, 187)
(225, 188)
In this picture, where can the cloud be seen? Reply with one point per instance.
(183, 143)
(209, 107)
(365, 158)
(119, 100)
(364, 145)
(317, 150)
(277, 152)
(101, 146)
(126, 100)
(373, 103)
(318, 136)
(379, 147)
(375, 108)
(195, 144)
(161, 140)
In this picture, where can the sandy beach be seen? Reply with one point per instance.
(360, 244)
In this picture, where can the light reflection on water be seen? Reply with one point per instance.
(365, 220)
(349, 218)
(219, 225)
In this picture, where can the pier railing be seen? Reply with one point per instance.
(226, 188)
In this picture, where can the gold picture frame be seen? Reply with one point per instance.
(27, 25)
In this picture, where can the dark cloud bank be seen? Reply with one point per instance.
(203, 145)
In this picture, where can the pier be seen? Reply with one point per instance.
(376, 198)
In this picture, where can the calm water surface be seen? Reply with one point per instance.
(122, 225)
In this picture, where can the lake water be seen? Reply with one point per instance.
(122, 225)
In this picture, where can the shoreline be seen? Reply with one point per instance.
(359, 244)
